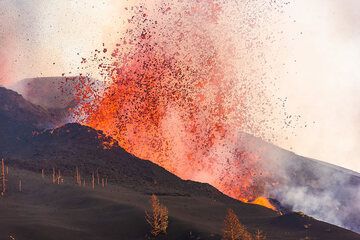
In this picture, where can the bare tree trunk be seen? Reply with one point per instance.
(20, 186)
(59, 177)
(42, 173)
(98, 176)
(93, 181)
(78, 177)
(3, 178)
(54, 176)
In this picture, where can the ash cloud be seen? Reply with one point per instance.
(320, 190)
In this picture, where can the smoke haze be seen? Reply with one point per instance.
(307, 53)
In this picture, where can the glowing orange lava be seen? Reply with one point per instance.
(175, 98)
(262, 201)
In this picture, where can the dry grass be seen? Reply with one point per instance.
(158, 218)
(233, 229)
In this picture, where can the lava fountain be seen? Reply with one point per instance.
(183, 88)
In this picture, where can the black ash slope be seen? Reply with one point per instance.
(47, 211)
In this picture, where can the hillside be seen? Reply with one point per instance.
(49, 92)
(53, 92)
(319, 189)
(47, 211)
(13, 106)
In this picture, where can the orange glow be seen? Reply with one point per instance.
(262, 201)
(174, 98)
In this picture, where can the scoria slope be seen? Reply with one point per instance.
(322, 190)
(43, 210)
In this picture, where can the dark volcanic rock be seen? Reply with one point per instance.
(48, 92)
(54, 92)
(13, 106)
(74, 145)
(27, 143)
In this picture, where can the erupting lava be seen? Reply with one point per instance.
(264, 202)
(178, 97)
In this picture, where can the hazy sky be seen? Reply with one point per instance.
(319, 48)
(323, 79)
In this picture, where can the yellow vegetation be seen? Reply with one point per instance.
(259, 235)
(3, 178)
(158, 218)
(233, 229)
